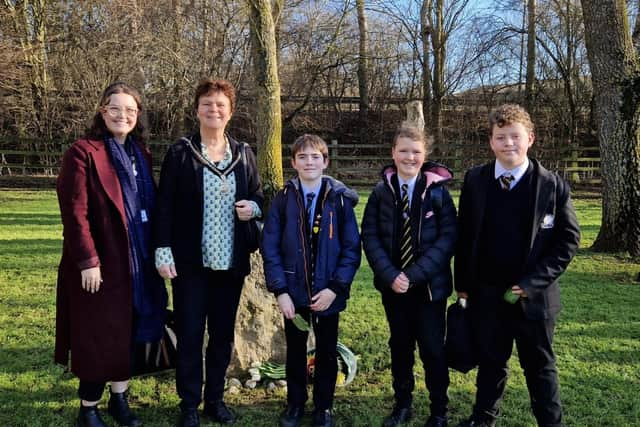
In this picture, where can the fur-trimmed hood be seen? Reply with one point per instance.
(433, 172)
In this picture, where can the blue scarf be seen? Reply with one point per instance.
(138, 191)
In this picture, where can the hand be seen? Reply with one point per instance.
(244, 209)
(167, 271)
(517, 290)
(286, 306)
(400, 284)
(463, 295)
(322, 300)
(91, 279)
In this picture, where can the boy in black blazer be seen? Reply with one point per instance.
(517, 233)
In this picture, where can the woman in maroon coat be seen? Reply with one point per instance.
(109, 296)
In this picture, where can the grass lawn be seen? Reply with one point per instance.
(597, 341)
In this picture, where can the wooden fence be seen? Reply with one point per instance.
(358, 165)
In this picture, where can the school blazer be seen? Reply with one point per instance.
(553, 241)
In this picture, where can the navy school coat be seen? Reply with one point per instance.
(338, 251)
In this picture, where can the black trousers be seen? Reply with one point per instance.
(90, 391)
(199, 297)
(496, 325)
(415, 320)
(325, 329)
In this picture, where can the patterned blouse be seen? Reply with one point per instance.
(218, 217)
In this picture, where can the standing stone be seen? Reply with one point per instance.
(415, 116)
(259, 325)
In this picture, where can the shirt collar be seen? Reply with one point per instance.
(411, 182)
(314, 190)
(516, 172)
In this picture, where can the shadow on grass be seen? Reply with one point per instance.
(35, 247)
(26, 219)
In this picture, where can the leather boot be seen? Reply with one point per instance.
(89, 417)
(119, 409)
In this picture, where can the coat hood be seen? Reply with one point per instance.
(331, 184)
(433, 172)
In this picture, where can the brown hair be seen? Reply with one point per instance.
(209, 85)
(98, 128)
(312, 141)
(508, 114)
(415, 134)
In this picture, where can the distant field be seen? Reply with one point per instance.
(597, 340)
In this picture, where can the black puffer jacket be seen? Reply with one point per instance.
(433, 222)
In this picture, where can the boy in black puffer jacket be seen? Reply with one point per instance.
(409, 236)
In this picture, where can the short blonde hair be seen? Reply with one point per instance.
(508, 114)
(415, 134)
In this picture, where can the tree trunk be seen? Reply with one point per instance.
(267, 95)
(439, 57)
(636, 39)
(363, 65)
(531, 56)
(426, 30)
(616, 82)
(259, 332)
(29, 22)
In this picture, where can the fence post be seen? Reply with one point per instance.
(575, 175)
(333, 157)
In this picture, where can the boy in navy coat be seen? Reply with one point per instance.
(517, 233)
(311, 251)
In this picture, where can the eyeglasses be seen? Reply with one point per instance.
(114, 111)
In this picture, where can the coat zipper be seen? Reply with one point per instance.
(301, 230)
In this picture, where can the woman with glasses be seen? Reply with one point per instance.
(109, 295)
(209, 190)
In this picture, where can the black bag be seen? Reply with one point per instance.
(459, 343)
(155, 357)
(254, 234)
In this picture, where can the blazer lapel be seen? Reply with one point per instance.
(197, 166)
(481, 200)
(545, 195)
(108, 178)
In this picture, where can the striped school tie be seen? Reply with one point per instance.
(406, 249)
(505, 181)
(308, 213)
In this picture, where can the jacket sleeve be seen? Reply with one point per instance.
(436, 257)
(271, 244)
(73, 197)
(462, 259)
(350, 252)
(562, 248)
(165, 203)
(254, 185)
(378, 258)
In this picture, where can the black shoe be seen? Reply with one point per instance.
(218, 412)
(436, 421)
(398, 416)
(323, 418)
(119, 409)
(291, 416)
(89, 417)
(189, 418)
(476, 422)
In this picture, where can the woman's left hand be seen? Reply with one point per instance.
(244, 210)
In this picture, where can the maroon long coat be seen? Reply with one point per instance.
(96, 328)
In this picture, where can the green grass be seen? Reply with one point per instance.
(597, 340)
